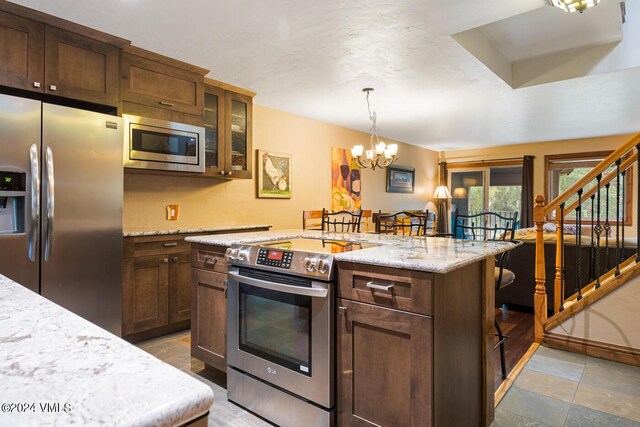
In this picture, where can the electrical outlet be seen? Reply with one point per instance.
(172, 212)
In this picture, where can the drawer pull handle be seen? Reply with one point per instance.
(372, 285)
(209, 260)
(169, 245)
(166, 104)
(342, 310)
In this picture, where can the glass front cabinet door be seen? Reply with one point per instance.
(227, 122)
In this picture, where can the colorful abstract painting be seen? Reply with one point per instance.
(345, 181)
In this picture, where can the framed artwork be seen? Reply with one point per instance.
(274, 175)
(345, 181)
(400, 179)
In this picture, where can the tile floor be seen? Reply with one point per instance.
(175, 350)
(555, 388)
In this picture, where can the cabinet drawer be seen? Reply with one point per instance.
(405, 290)
(161, 247)
(210, 258)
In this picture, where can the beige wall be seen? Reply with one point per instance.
(539, 150)
(211, 202)
(615, 319)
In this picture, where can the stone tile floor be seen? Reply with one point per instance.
(175, 350)
(555, 388)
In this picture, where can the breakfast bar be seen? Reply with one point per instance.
(413, 320)
(59, 369)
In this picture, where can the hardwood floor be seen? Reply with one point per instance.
(519, 326)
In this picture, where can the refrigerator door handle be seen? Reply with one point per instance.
(48, 243)
(35, 203)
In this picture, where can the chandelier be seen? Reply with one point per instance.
(574, 5)
(379, 154)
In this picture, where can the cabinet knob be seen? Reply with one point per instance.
(174, 259)
(229, 173)
(166, 104)
(53, 87)
(36, 84)
(222, 172)
(165, 260)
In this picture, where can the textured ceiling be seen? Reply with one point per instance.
(313, 58)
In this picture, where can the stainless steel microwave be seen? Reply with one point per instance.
(162, 145)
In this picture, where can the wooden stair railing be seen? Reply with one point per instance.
(602, 221)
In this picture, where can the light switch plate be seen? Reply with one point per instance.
(172, 212)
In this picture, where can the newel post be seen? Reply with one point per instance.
(540, 295)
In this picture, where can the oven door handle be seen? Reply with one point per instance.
(279, 287)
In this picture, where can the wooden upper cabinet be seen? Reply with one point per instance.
(228, 122)
(80, 68)
(43, 58)
(21, 47)
(155, 81)
(239, 112)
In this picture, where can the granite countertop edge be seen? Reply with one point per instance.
(130, 233)
(431, 254)
(53, 355)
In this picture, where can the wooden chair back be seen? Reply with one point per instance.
(342, 221)
(312, 220)
(403, 223)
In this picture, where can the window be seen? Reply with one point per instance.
(564, 170)
(491, 188)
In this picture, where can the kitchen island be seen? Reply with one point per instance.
(414, 324)
(59, 369)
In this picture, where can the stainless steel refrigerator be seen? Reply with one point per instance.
(61, 183)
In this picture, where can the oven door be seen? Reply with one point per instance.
(280, 330)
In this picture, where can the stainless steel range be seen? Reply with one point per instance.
(280, 336)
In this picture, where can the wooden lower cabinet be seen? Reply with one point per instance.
(180, 287)
(385, 364)
(145, 293)
(156, 294)
(209, 318)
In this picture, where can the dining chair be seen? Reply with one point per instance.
(341, 221)
(402, 223)
(491, 226)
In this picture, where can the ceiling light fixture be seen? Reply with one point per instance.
(574, 5)
(379, 154)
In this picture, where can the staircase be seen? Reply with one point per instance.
(601, 315)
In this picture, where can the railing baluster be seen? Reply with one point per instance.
(622, 215)
(592, 248)
(579, 246)
(561, 225)
(598, 231)
(618, 217)
(607, 229)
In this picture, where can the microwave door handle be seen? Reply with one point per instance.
(35, 202)
(279, 287)
(48, 243)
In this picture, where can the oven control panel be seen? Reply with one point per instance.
(274, 258)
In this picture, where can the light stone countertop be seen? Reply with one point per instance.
(434, 254)
(131, 233)
(49, 355)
